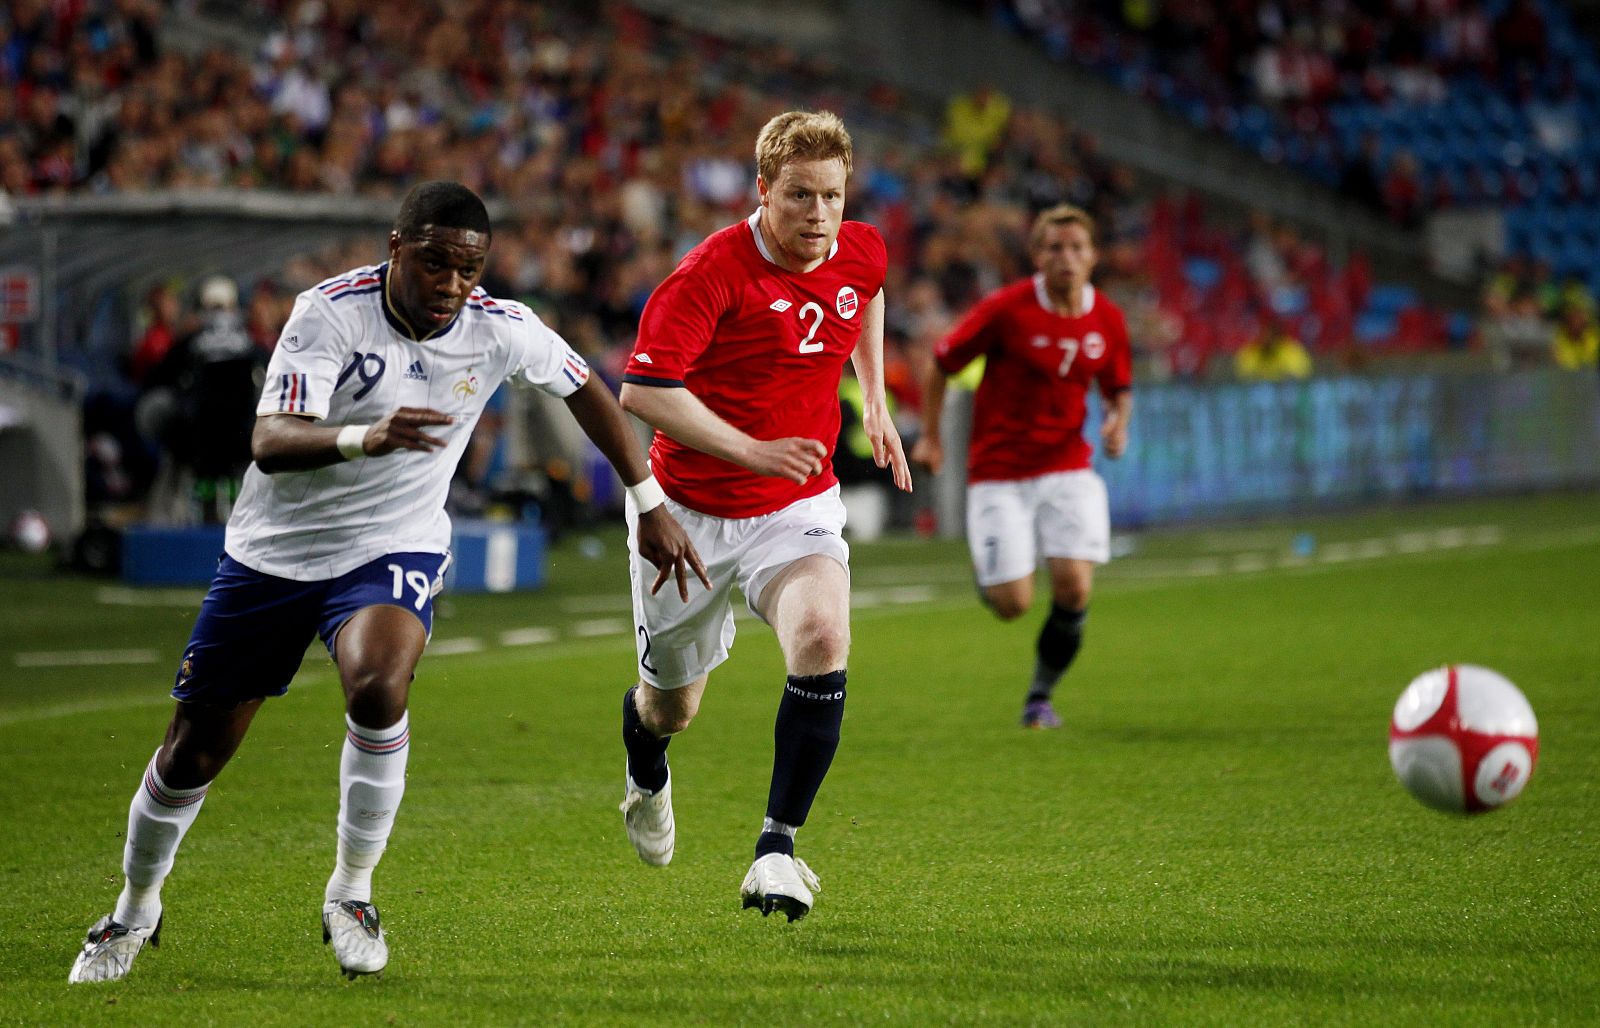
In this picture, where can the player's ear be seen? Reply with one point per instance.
(761, 187)
(394, 244)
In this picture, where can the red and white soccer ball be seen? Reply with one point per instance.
(1463, 739)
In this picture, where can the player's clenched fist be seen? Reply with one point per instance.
(929, 453)
(402, 429)
(794, 458)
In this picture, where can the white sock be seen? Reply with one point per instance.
(157, 819)
(372, 778)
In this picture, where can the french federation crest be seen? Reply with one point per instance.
(846, 303)
(466, 387)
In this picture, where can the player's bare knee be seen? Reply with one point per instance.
(821, 644)
(375, 697)
(667, 712)
(1072, 598)
(1007, 606)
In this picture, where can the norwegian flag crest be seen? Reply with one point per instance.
(846, 303)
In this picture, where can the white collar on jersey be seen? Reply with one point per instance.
(1043, 296)
(754, 221)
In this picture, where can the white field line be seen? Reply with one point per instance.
(455, 647)
(121, 596)
(153, 698)
(85, 658)
(535, 636)
(601, 626)
(1426, 543)
(597, 604)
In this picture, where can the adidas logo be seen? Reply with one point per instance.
(416, 372)
(781, 305)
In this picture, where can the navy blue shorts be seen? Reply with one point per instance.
(253, 629)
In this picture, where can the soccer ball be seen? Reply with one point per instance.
(1463, 739)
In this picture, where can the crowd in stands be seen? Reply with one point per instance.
(1406, 105)
(621, 140)
(1532, 318)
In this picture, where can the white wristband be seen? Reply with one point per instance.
(350, 441)
(647, 495)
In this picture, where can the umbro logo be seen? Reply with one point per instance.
(819, 531)
(416, 371)
(781, 305)
(643, 358)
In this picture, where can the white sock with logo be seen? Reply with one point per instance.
(158, 817)
(372, 778)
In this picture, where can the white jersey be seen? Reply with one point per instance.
(344, 356)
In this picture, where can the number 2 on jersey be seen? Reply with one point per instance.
(806, 344)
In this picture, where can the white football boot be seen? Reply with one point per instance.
(648, 818)
(109, 949)
(357, 936)
(777, 881)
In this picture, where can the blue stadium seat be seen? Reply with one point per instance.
(1202, 273)
(1375, 327)
(1390, 299)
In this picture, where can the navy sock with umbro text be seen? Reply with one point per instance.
(805, 737)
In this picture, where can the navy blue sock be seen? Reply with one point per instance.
(805, 737)
(774, 842)
(647, 754)
(1059, 640)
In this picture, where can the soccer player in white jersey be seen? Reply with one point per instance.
(340, 531)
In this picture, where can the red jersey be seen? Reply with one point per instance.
(1027, 417)
(760, 346)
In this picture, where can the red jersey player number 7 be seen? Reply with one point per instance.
(1031, 492)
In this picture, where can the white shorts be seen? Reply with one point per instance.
(1010, 525)
(679, 642)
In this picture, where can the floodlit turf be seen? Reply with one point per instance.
(1215, 837)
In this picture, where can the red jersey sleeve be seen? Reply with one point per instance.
(972, 337)
(878, 254)
(678, 322)
(1117, 373)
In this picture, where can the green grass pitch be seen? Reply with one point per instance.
(1214, 838)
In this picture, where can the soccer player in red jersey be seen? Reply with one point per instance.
(1030, 490)
(737, 368)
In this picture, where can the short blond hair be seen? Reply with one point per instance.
(1060, 214)
(801, 136)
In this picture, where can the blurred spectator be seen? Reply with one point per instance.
(974, 126)
(1521, 337)
(205, 398)
(1576, 342)
(1274, 355)
(161, 327)
(1403, 196)
(1361, 179)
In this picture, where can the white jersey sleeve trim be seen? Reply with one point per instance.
(542, 359)
(304, 369)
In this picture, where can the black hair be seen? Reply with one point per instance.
(442, 205)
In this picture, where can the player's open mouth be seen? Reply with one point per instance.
(441, 314)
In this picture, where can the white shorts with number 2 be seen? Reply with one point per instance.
(1011, 525)
(678, 642)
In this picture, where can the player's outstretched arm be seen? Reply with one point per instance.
(1114, 426)
(680, 414)
(288, 442)
(887, 451)
(929, 448)
(661, 539)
